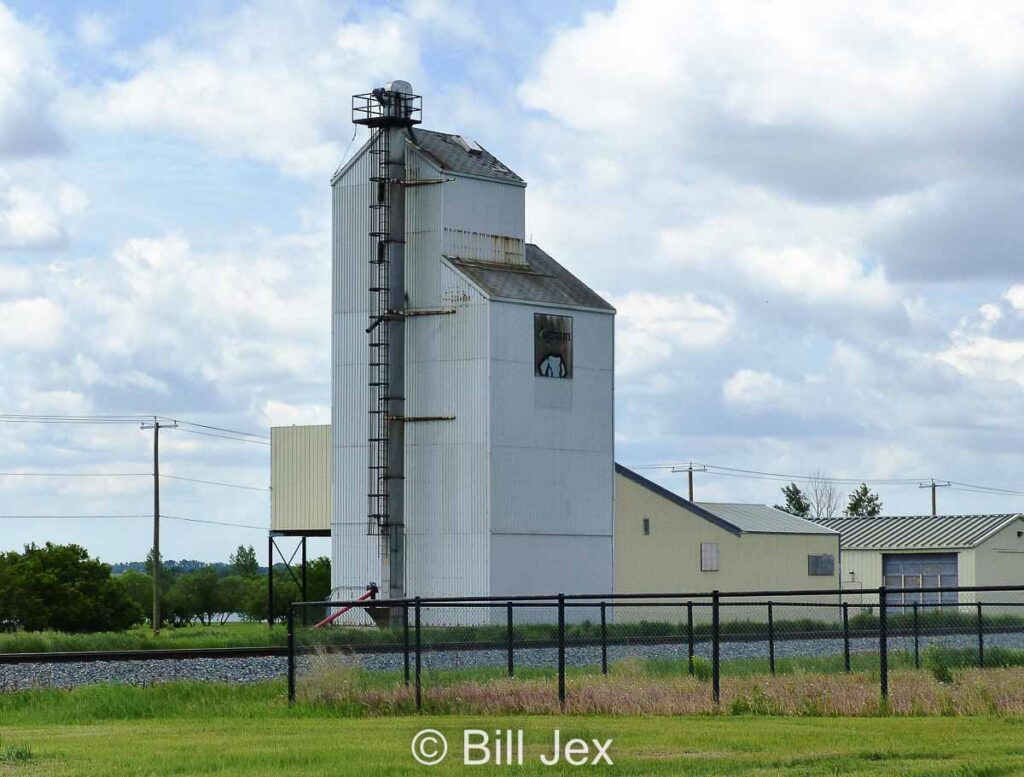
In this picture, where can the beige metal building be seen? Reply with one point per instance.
(930, 551)
(300, 498)
(664, 543)
(300, 480)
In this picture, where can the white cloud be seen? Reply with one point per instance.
(29, 83)
(752, 389)
(33, 324)
(37, 213)
(652, 329)
(863, 69)
(271, 82)
(94, 29)
(279, 413)
(1015, 296)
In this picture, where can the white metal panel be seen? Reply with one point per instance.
(300, 478)
(484, 220)
(446, 461)
(424, 207)
(552, 441)
(354, 554)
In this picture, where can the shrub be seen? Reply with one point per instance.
(702, 669)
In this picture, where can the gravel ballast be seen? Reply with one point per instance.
(15, 677)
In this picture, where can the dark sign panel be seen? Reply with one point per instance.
(552, 346)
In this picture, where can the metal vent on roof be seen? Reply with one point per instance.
(469, 144)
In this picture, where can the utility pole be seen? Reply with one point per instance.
(156, 425)
(933, 486)
(689, 470)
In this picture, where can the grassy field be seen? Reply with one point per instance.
(232, 730)
(142, 638)
(258, 634)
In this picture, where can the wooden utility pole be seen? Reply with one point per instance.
(156, 426)
(933, 486)
(689, 470)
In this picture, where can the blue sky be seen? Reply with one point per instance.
(805, 215)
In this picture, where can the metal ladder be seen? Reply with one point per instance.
(379, 338)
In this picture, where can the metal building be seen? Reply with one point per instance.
(930, 551)
(472, 449)
(300, 497)
(664, 542)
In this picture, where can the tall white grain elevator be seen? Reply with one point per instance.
(473, 378)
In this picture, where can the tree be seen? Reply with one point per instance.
(244, 562)
(824, 497)
(318, 579)
(139, 588)
(197, 595)
(796, 502)
(864, 503)
(59, 587)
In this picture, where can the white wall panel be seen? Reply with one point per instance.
(300, 478)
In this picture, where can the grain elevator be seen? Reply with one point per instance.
(473, 378)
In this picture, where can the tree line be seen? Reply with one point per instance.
(61, 588)
(823, 499)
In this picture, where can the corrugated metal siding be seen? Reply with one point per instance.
(355, 560)
(916, 532)
(763, 519)
(447, 483)
(484, 221)
(552, 441)
(424, 207)
(300, 477)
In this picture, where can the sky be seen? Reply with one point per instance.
(806, 215)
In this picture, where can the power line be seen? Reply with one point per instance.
(752, 474)
(262, 435)
(116, 517)
(215, 523)
(35, 418)
(75, 474)
(62, 517)
(224, 436)
(215, 483)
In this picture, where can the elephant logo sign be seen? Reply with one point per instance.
(552, 346)
(551, 366)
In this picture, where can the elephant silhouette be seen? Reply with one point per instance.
(552, 366)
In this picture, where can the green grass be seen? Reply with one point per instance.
(249, 730)
(258, 635)
(141, 638)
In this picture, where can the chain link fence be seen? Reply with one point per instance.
(537, 652)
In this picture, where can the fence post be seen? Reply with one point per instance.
(917, 640)
(771, 638)
(509, 646)
(981, 639)
(561, 649)
(604, 638)
(291, 654)
(846, 635)
(689, 633)
(715, 624)
(419, 698)
(405, 641)
(883, 643)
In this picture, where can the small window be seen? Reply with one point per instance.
(709, 557)
(823, 565)
(647, 527)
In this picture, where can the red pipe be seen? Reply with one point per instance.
(331, 618)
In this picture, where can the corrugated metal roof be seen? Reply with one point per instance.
(542, 279)
(735, 518)
(911, 532)
(446, 151)
(762, 519)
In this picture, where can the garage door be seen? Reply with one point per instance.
(920, 570)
